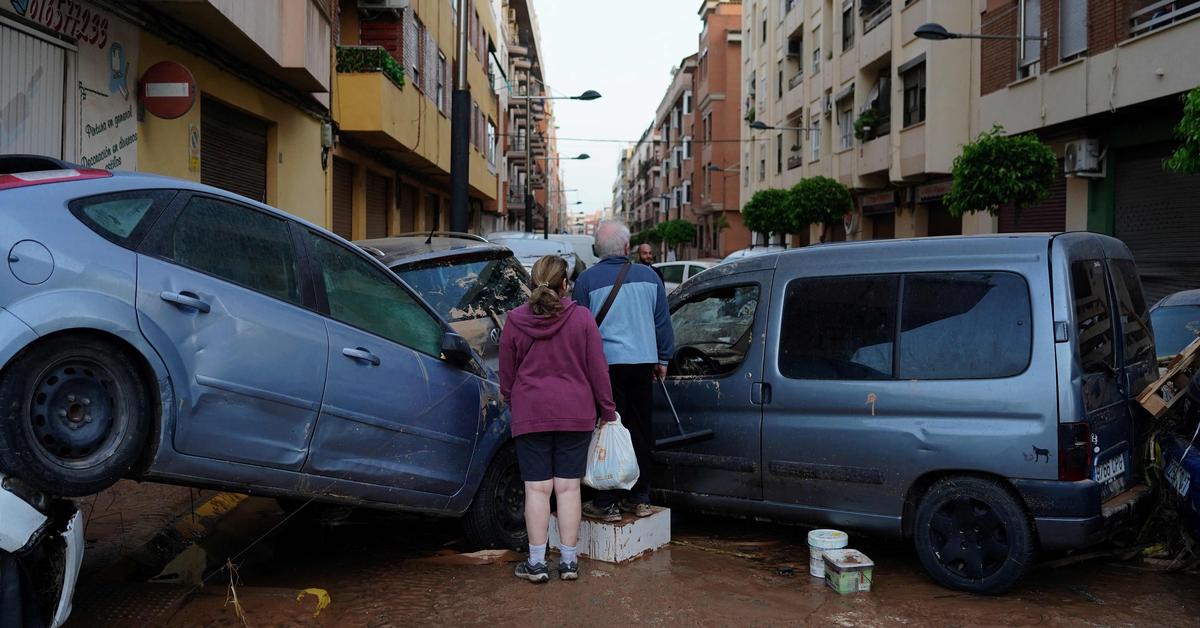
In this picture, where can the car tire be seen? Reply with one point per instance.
(496, 517)
(973, 534)
(74, 416)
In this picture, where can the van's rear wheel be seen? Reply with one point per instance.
(972, 534)
(496, 518)
(74, 416)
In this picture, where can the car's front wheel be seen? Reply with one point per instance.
(74, 416)
(496, 518)
(972, 534)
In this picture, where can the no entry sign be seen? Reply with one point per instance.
(167, 90)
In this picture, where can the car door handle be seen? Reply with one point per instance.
(760, 393)
(186, 299)
(362, 355)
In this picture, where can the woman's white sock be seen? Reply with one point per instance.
(568, 554)
(537, 554)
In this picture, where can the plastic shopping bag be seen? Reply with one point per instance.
(612, 463)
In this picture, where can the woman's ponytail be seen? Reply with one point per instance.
(548, 275)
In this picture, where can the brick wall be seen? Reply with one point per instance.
(387, 32)
(998, 58)
(1108, 23)
(1050, 49)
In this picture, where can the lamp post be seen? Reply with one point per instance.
(936, 32)
(529, 195)
(590, 94)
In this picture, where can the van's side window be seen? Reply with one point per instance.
(1135, 321)
(1093, 315)
(712, 331)
(964, 326)
(839, 328)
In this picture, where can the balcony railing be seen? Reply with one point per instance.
(796, 80)
(1156, 15)
(873, 16)
(795, 161)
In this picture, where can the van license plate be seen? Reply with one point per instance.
(1178, 478)
(1111, 474)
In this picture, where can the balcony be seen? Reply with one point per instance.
(875, 156)
(1160, 14)
(874, 13)
(912, 150)
(795, 161)
(288, 39)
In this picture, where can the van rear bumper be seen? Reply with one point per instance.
(1069, 515)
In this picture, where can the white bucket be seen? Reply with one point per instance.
(818, 542)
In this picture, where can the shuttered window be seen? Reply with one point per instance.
(233, 149)
(343, 198)
(1073, 23)
(1048, 216)
(32, 95)
(377, 205)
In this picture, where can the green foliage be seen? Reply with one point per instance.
(1186, 159)
(818, 200)
(677, 232)
(866, 127)
(720, 222)
(644, 170)
(647, 236)
(997, 170)
(369, 59)
(767, 212)
(750, 116)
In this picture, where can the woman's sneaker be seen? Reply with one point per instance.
(592, 511)
(534, 573)
(568, 571)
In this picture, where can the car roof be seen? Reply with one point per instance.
(528, 246)
(1183, 297)
(398, 250)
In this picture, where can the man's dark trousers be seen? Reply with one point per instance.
(632, 387)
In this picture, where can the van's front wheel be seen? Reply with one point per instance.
(496, 518)
(972, 534)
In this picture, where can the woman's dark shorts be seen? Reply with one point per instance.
(545, 455)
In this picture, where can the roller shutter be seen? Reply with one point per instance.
(377, 205)
(1050, 215)
(32, 94)
(233, 149)
(343, 199)
(1158, 217)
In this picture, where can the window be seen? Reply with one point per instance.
(713, 331)
(762, 169)
(814, 137)
(816, 53)
(1093, 316)
(846, 123)
(672, 273)
(779, 153)
(764, 27)
(236, 243)
(838, 328)
(914, 95)
(1135, 323)
(687, 103)
(1072, 20)
(1030, 53)
(365, 297)
(848, 25)
(687, 148)
(122, 217)
(687, 192)
(441, 83)
(468, 289)
(780, 93)
(491, 142)
(964, 326)
(416, 69)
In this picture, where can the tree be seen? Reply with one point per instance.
(767, 212)
(997, 170)
(1186, 159)
(818, 201)
(677, 232)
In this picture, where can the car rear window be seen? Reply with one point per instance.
(468, 288)
(122, 217)
(1093, 316)
(1175, 327)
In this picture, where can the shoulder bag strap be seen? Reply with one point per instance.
(612, 294)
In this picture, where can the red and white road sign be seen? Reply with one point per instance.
(167, 90)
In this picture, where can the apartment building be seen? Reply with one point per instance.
(259, 74)
(620, 198)
(813, 68)
(1103, 90)
(674, 127)
(643, 182)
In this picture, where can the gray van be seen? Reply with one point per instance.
(974, 395)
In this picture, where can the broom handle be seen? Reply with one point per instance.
(671, 404)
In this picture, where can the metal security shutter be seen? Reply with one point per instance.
(941, 223)
(1050, 215)
(233, 150)
(343, 199)
(883, 226)
(1158, 217)
(409, 198)
(31, 94)
(377, 205)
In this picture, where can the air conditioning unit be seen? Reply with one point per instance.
(1083, 158)
(827, 105)
(384, 5)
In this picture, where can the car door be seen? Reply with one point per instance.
(220, 295)
(395, 414)
(713, 381)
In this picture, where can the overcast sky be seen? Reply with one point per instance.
(625, 50)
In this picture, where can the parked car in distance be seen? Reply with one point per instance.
(1176, 321)
(583, 245)
(530, 250)
(752, 251)
(972, 395)
(471, 283)
(161, 329)
(675, 273)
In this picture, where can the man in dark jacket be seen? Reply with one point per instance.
(638, 343)
(645, 255)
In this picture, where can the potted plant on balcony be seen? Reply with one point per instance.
(866, 127)
(998, 170)
(818, 201)
(1186, 158)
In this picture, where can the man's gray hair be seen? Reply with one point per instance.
(612, 236)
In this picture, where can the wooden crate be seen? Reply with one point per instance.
(1160, 396)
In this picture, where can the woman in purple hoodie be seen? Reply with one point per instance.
(555, 378)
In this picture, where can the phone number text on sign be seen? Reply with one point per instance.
(71, 18)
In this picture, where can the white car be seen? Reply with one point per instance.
(530, 250)
(675, 273)
(583, 245)
(44, 537)
(752, 251)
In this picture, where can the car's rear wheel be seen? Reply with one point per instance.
(74, 416)
(496, 518)
(972, 534)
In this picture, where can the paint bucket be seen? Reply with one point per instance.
(848, 571)
(819, 541)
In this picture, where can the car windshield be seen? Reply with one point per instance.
(1175, 327)
(462, 289)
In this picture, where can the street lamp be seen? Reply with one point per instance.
(759, 125)
(936, 32)
(590, 94)
(529, 196)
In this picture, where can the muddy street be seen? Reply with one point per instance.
(380, 569)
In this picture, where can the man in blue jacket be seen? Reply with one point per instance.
(638, 343)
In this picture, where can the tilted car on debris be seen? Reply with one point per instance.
(974, 395)
(160, 329)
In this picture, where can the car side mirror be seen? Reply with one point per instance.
(456, 349)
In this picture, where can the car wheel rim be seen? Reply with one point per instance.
(510, 502)
(968, 538)
(76, 413)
